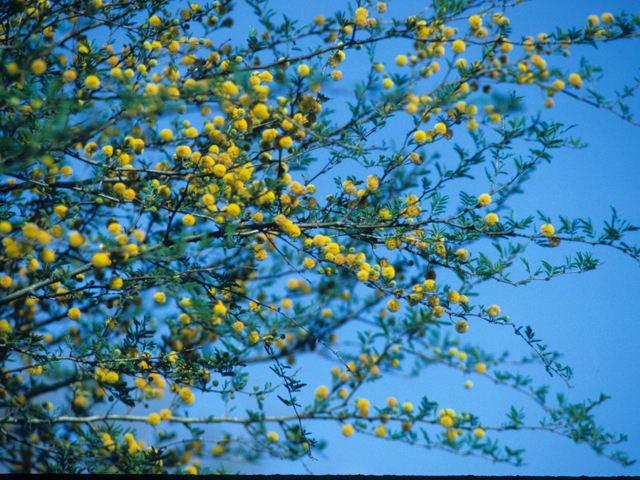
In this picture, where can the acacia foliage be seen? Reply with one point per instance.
(150, 262)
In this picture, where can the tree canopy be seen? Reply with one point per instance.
(189, 209)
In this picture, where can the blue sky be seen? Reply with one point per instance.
(591, 318)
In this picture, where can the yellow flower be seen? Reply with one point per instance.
(100, 260)
(6, 281)
(253, 337)
(420, 136)
(272, 436)
(607, 18)
(47, 256)
(493, 311)
(393, 305)
(38, 67)
(372, 183)
(547, 230)
(387, 84)
(321, 392)
(491, 219)
(73, 314)
(462, 326)
(92, 82)
(575, 80)
(238, 326)
(458, 46)
(166, 134)
(440, 128)
(153, 419)
(462, 254)
(484, 199)
(347, 430)
(475, 22)
(401, 60)
(188, 220)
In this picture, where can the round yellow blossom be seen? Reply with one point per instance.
(446, 421)
(462, 254)
(606, 18)
(388, 272)
(420, 136)
(393, 305)
(453, 296)
(188, 220)
(407, 407)
(478, 433)
(186, 395)
(321, 392)
(462, 326)
(392, 402)
(381, 431)
(475, 22)
(575, 80)
(481, 368)
(60, 211)
(70, 76)
(92, 82)
(165, 414)
(112, 377)
(73, 314)
(253, 337)
(6, 281)
(484, 199)
(387, 84)
(373, 182)
(347, 430)
(458, 46)
(547, 230)
(491, 219)
(285, 142)
(160, 298)
(493, 311)
(452, 434)
(38, 67)
(153, 419)
(440, 128)
(401, 60)
(100, 260)
(166, 135)
(272, 436)
(5, 227)
(47, 256)
(238, 326)
(303, 70)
